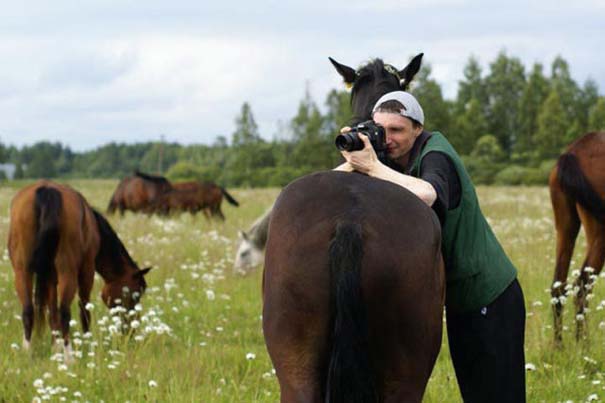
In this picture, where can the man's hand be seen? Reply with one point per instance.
(365, 160)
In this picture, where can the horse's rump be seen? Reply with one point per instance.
(585, 186)
(400, 282)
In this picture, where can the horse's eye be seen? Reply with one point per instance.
(245, 253)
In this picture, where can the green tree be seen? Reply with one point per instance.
(566, 87)
(596, 119)
(246, 129)
(588, 97)
(313, 146)
(339, 111)
(249, 151)
(534, 94)
(470, 126)
(19, 174)
(3, 153)
(471, 87)
(429, 95)
(505, 85)
(552, 126)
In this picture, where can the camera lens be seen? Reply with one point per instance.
(348, 142)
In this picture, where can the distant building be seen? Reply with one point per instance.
(9, 170)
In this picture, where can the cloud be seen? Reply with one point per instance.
(122, 71)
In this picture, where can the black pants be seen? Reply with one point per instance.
(487, 349)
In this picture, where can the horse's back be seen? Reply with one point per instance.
(384, 209)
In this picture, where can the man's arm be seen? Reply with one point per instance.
(421, 188)
(366, 162)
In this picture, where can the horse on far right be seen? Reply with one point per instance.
(577, 191)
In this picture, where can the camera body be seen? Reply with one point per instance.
(351, 142)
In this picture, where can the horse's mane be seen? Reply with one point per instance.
(111, 247)
(153, 178)
(259, 229)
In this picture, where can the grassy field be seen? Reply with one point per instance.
(200, 338)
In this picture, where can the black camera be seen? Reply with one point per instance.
(351, 142)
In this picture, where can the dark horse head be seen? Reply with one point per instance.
(373, 80)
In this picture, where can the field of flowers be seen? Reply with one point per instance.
(199, 336)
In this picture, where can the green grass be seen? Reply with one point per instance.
(214, 315)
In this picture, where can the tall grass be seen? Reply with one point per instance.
(200, 336)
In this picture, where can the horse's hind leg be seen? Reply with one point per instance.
(567, 224)
(595, 256)
(66, 293)
(85, 283)
(217, 211)
(23, 286)
(295, 326)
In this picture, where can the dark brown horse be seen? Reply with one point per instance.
(353, 290)
(138, 193)
(577, 190)
(177, 200)
(56, 242)
(354, 283)
(209, 196)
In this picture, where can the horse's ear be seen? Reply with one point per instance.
(409, 71)
(243, 235)
(144, 271)
(347, 73)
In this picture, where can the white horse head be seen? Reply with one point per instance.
(248, 255)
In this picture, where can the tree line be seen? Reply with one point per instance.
(509, 125)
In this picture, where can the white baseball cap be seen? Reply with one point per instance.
(411, 107)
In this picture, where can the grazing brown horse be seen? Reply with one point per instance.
(577, 191)
(209, 196)
(353, 290)
(354, 283)
(56, 242)
(177, 200)
(138, 193)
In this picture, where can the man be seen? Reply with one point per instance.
(484, 302)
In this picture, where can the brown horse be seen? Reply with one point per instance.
(56, 242)
(138, 193)
(353, 290)
(577, 191)
(209, 196)
(177, 200)
(354, 283)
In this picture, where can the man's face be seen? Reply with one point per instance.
(401, 134)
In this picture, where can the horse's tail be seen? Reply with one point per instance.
(576, 186)
(349, 375)
(47, 208)
(229, 198)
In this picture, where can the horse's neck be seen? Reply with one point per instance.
(259, 230)
(106, 268)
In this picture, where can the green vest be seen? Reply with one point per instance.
(477, 269)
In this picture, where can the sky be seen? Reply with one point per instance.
(93, 72)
